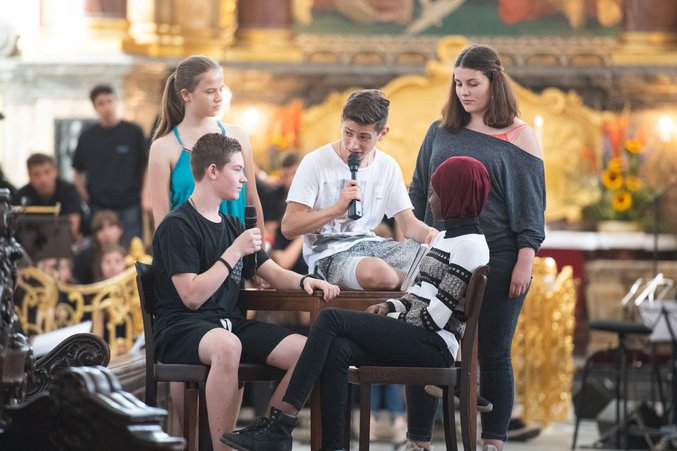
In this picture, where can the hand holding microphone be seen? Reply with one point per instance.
(249, 269)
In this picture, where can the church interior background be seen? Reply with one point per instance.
(596, 79)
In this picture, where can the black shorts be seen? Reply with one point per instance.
(180, 342)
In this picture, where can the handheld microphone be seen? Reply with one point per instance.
(355, 207)
(249, 261)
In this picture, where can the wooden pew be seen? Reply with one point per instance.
(300, 301)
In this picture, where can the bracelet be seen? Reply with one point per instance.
(230, 268)
(303, 280)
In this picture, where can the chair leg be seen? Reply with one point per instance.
(449, 419)
(150, 397)
(655, 364)
(347, 421)
(584, 379)
(365, 412)
(190, 400)
(204, 434)
(622, 357)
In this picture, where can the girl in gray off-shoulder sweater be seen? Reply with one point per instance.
(480, 121)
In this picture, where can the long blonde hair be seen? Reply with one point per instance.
(186, 76)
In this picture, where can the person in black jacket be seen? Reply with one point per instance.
(109, 163)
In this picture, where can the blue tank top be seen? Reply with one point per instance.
(181, 183)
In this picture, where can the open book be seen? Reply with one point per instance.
(412, 273)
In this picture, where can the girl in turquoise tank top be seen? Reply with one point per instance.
(191, 106)
(181, 183)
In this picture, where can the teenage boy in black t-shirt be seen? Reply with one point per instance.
(109, 163)
(198, 261)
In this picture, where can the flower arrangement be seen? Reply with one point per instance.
(623, 195)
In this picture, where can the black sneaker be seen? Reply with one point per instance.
(483, 405)
(271, 433)
(518, 431)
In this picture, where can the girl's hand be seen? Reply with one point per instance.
(378, 309)
(521, 278)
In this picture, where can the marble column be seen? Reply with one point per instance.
(265, 31)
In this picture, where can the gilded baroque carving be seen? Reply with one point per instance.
(45, 304)
(543, 347)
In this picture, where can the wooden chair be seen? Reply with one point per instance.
(464, 375)
(194, 377)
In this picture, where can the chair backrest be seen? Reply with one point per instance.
(145, 281)
(473, 306)
(468, 377)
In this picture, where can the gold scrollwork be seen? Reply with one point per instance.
(37, 300)
(542, 348)
(44, 304)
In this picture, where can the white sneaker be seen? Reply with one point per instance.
(373, 426)
(412, 446)
(489, 448)
(399, 430)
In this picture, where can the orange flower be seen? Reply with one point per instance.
(634, 146)
(633, 183)
(621, 201)
(612, 180)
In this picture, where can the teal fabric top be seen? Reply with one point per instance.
(181, 183)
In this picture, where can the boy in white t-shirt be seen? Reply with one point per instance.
(346, 251)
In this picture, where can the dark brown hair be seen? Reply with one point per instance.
(39, 158)
(100, 89)
(290, 160)
(98, 274)
(212, 148)
(103, 218)
(502, 108)
(186, 76)
(367, 107)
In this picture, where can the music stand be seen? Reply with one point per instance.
(45, 235)
(662, 317)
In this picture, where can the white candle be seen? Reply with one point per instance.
(665, 128)
(538, 122)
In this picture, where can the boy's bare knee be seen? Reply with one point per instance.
(226, 356)
(220, 349)
(377, 276)
(287, 352)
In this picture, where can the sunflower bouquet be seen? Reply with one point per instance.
(622, 195)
